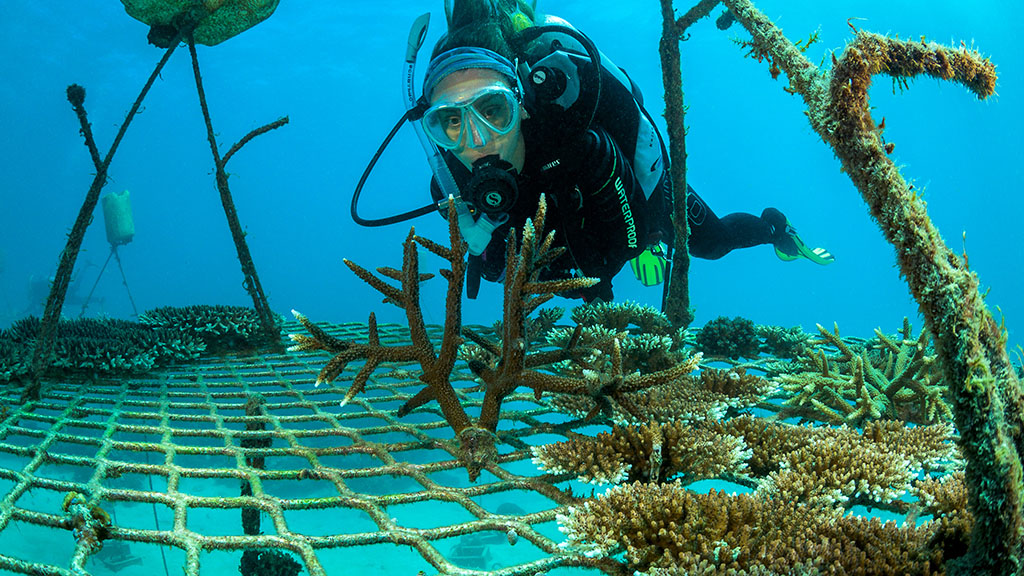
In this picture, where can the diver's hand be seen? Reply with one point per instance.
(604, 178)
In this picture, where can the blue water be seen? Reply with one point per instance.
(334, 69)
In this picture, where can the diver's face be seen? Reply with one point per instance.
(477, 138)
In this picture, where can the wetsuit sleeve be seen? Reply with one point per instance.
(613, 215)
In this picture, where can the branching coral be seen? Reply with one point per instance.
(897, 380)
(97, 347)
(437, 366)
(794, 523)
(665, 527)
(782, 342)
(945, 498)
(829, 466)
(648, 453)
(620, 316)
(835, 472)
(222, 328)
(537, 327)
(524, 293)
(108, 347)
(642, 353)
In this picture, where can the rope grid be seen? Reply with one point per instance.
(258, 420)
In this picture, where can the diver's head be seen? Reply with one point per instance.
(475, 106)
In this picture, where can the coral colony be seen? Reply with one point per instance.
(805, 480)
(524, 293)
(671, 428)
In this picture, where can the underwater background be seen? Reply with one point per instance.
(334, 69)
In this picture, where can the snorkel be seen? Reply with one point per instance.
(476, 231)
(444, 176)
(477, 223)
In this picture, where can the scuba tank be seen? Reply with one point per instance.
(573, 85)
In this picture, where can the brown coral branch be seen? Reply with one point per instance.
(391, 294)
(437, 368)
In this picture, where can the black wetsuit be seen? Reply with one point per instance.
(597, 204)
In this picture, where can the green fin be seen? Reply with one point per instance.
(816, 255)
(649, 266)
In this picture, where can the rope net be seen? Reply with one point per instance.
(194, 465)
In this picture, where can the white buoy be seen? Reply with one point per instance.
(117, 214)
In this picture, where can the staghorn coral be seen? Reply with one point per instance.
(669, 530)
(794, 523)
(647, 453)
(477, 449)
(897, 379)
(733, 338)
(646, 353)
(830, 466)
(524, 293)
(928, 448)
(769, 441)
(107, 346)
(537, 327)
(782, 342)
(740, 388)
(15, 358)
(642, 353)
(942, 495)
(945, 498)
(672, 401)
(835, 472)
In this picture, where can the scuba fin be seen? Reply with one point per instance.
(650, 266)
(790, 247)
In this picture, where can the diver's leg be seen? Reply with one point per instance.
(712, 237)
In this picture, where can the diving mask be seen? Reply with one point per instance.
(470, 121)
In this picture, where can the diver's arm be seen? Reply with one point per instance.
(611, 198)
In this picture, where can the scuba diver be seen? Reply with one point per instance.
(515, 105)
